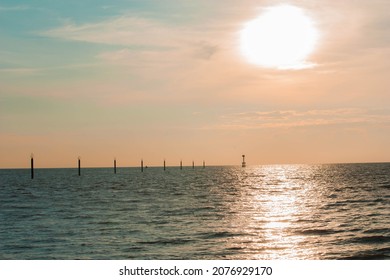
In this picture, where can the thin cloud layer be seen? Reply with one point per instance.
(310, 118)
(13, 8)
(120, 31)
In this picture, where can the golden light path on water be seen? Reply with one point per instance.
(269, 209)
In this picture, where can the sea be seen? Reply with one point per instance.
(267, 212)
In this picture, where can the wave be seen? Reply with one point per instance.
(380, 254)
(221, 234)
(376, 230)
(370, 239)
(173, 241)
(316, 232)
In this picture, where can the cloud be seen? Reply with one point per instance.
(351, 33)
(205, 50)
(136, 31)
(140, 58)
(310, 118)
(43, 70)
(22, 71)
(14, 8)
(122, 31)
(130, 37)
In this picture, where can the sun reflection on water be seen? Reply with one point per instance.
(275, 199)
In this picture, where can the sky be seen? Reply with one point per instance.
(154, 80)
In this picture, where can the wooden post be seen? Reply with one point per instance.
(79, 166)
(181, 165)
(32, 166)
(204, 164)
(193, 165)
(164, 165)
(142, 165)
(114, 165)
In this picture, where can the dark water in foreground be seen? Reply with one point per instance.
(260, 212)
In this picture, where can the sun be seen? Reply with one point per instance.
(282, 37)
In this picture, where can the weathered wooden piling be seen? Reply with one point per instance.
(243, 161)
(142, 165)
(164, 165)
(204, 164)
(79, 161)
(193, 165)
(114, 165)
(32, 166)
(181, 165)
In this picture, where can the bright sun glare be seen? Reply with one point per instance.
(282, 37)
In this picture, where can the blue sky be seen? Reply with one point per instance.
(166, 79)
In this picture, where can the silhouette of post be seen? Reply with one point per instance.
(142, 165)
(204, 164)
(114, 165)
(181, 165)
(32, 166)
(243, 161)
(193, 165)
(79, 161)
(164, 165)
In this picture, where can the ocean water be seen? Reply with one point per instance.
(270, 212)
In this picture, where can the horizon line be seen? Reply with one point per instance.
(201, 165)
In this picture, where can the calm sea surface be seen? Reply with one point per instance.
(339, 211)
